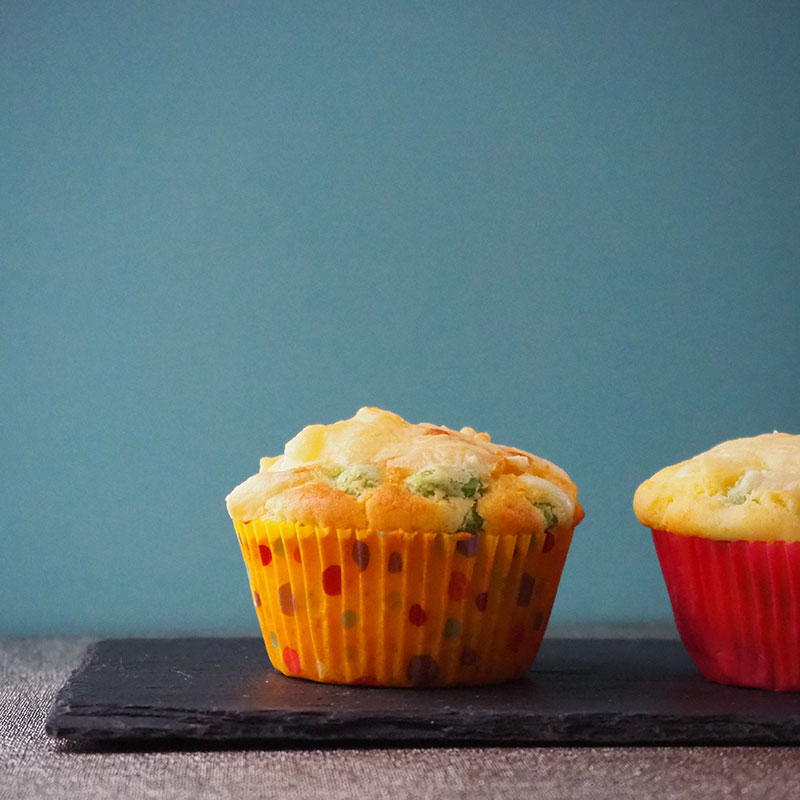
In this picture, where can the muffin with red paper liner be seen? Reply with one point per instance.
(386, 553)
(726, 527)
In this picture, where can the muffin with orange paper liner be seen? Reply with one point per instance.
(387, 553)
(726, 527)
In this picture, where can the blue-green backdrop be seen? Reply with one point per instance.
(571, 224)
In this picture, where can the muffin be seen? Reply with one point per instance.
(386, 553)
(726, 527)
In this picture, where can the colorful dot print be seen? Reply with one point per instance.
(337, 601)
(286, 599)
(458, 588)
(291, 658)
(361, 554)
(332, 580)
(525, 590)
(265, 554)
(422, 670)
(417, 615)
(468, 547)
(349, 619)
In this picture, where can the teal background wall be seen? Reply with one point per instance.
(571, 224)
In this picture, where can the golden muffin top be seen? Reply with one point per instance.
(741, 489)
(377, 471)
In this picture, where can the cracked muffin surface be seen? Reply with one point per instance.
(377, 471)
(742, 489)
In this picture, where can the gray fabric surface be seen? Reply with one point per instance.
(34, 766)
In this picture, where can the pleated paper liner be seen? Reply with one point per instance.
(397, 608)
(737, 607)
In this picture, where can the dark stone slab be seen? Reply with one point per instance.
(581, 691)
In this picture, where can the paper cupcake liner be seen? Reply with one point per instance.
(397, 608)
(737, 607)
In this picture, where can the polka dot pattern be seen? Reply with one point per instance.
(291, 658)
(434, 603)
(422, 670)
(332, 580)
(468, 547)
(395, 563)
(452, 629)
(458, 587)
(417, 615)
(349, 619)
(286, 600)
(361, 554)
(525, 590)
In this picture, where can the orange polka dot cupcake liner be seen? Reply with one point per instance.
(400, 609)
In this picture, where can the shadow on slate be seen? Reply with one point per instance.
(205, 692)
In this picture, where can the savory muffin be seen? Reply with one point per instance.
(403, 545)
(726, 526)
(378, 471)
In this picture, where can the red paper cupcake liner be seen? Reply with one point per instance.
(737, 607)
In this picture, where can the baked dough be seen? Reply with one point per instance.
(743, 489)
(376, 471)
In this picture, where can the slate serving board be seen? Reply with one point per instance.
(207, 691)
